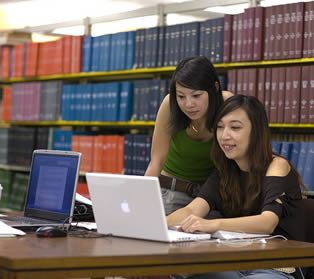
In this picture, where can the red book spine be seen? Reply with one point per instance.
(76, 143)
(41, 52)
(98, 154)
(76, 58)
(286, 32)
(59, 49)
(258, 34)
(106, 153)
(296, 90)
(272, 35)
(252, 82)
(6, 103)
(268, 80)
(278, 32)
(31, 59)
(288, 97)
(67, 56)
(82, 189)
(250, 34)
(261, 72)
(5, 61)
(234, 38)
(267, 96)
(240, 37)
(311, 31)
(245, 35)
(240, 80)
(281, 94)
(227, 37)
(299, 7)
(306, 30)
(18, 60)
(305, 92)
(267, 30)
(232, 80)
(274, 95)
(245, 82)
(311, 96)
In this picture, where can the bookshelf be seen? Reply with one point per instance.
(140, 72)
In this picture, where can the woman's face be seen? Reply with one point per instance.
(193, 103)
(233, 135)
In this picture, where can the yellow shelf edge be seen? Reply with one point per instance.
(80, 123)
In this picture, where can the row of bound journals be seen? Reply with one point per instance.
(276, 32)
(113, 101)
(301, 155)
(286, 92)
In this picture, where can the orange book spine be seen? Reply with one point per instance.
(67, 55)
(31, 59)
(98, 154)
(58, 61)
(5, 61)
(76, 59)
(18, 60)
(82, 189)
(6, 103)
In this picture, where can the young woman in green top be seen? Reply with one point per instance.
(182, 137)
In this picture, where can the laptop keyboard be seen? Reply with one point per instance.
(25, 220)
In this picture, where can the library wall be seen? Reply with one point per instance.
(81, 82)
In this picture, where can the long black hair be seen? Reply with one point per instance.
(196, 73)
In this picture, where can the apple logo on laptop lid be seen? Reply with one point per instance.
(125, 207)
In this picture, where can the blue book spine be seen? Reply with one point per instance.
(148, 47)
(295, 150)
(87, 101)
(87, 53)
(212, 46)
(276, 147)
(130, 52)
(62, 139)
(96, 45)
(304, 146)
(66, 97)
(286, 148)
(114, 100)
(219, 40)
(73, 102)
(94, 102)
(106, 102)
(123, 53)
(202, 38)
(167, 46)
(153, 100)
(161, 46)
(113, 51)
(118, 52)
(177, 43)
(136, 100)
(126, 101)
(208, 37)
(308, 175)
(137, 54)
(195, 38)
(154, 50)
(105, 51)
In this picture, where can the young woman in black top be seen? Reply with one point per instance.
(255, 190)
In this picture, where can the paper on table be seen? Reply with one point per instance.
(236, 235)
(7, 231)
(86, 225)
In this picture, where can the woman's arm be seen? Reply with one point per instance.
(264, 223)
(161, 140)
(197, 207)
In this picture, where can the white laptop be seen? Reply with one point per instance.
(131, 206)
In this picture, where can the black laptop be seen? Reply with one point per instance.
(51, 190)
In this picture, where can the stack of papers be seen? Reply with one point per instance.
(7, 231)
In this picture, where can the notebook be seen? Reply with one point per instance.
(131, 206)
(51, 190)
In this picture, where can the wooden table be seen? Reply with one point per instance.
(74, 257)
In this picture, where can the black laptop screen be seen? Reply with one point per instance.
(52, 183)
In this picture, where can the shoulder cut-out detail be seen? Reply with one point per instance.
(278, 167)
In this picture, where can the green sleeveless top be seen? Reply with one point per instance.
(189, 159)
